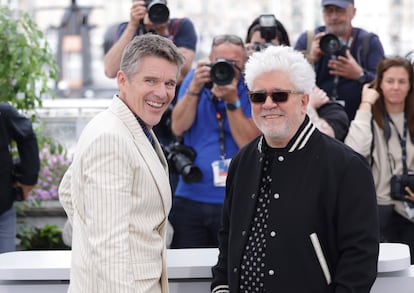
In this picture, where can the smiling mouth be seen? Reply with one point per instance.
(155, 104)
(271, 116)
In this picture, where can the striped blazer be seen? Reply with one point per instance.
(117, 196)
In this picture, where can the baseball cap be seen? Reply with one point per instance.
(339, 3)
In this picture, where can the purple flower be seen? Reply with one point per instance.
(52, 168)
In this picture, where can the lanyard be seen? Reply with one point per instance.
(402, 139)
(220, 122)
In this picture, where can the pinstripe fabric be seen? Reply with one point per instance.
(117, 195)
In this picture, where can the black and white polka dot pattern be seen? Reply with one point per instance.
(253, 266)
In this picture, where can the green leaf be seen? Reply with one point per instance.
(26, 61)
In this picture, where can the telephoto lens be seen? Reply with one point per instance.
(158, 11)
(330, 44)
(222, 72)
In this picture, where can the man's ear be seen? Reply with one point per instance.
(305, 101)
(121, 78)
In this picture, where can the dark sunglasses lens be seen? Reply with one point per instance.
(279, 97)
(257, 97)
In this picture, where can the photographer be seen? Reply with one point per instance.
(269, 31)
(383, 132)
(16, 180)
(341, 76)
(144, 19)
(180, 30)
(213, 116)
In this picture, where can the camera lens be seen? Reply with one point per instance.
(222, 72)
(330, 44)
(180, 158)
(158, 12)
(191, 174)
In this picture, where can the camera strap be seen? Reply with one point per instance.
(335, 95)
(402, 139)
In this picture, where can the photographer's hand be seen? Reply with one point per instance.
(315, 52)
(201, 75)
(137, 13)
(228, 93)
(184, 112)
(410, 194)
(160, 29)
(345, 67)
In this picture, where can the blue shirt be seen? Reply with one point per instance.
(348, 90)
(203, 137)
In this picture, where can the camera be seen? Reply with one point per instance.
(222, 71)
(398, 183)
(330, 44)
(180, 159)
(158, 11)
(268, 27)
(17, 193)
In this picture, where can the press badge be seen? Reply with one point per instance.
(220, 170)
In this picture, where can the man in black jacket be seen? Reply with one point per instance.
(16, 179)
(300, 211)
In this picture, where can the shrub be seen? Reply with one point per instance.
(48, 237)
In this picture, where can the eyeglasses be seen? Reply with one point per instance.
(278, 96)
(233, 39)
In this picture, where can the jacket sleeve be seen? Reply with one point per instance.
(65, 193)
(336, 117)
(357, 229)
(21, 131)
(219, 283)
(360, 135)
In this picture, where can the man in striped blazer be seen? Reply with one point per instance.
(116, 193)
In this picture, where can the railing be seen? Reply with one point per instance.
(64, 119)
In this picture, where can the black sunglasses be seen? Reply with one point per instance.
(278, 96)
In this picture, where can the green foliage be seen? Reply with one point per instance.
(48, 237)
(27, 64)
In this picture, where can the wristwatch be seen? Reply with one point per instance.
(233, 106)
(363, 78)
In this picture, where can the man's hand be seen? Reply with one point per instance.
(315, 52)
(160, 29)
(25, 188)
(201, 75)
(410, 194)
(228, 92)
(345, 67)
(137, 13)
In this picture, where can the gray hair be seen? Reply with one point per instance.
(149, 45)
(285, 59)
